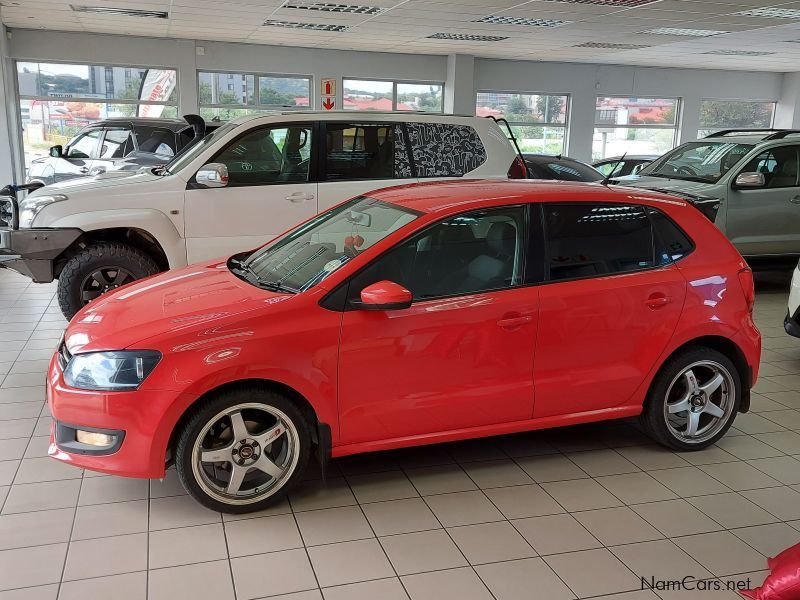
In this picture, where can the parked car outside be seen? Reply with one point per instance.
(244, 183)
(619, 166)
(119, 144)
(545, 166)
(408, 316)
(746, 182)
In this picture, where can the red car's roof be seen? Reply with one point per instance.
(446, 195)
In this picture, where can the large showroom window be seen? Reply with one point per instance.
(226, 96)
(716, 115)
(57, 100)
(539, 121)
(636, 126)
(371, 94)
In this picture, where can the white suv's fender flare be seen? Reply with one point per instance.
(152, 221)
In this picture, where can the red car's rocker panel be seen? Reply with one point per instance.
(421, 314)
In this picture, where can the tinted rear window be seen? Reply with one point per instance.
(593, 240)
(672, 243)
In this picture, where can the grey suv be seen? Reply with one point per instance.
(746, 181)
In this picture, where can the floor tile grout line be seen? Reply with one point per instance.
(447, 533)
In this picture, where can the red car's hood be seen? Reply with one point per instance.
(198, 295)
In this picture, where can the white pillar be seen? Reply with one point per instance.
(11, 170)
(459, 88)
(787, 113)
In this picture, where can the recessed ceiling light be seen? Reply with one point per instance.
(358, 9)
(467, 37)
(509, 20)
(121, 12)
(309, 26)
(686, 32)
(770, 12)
(620, 3)
(611, 46)
(738, 52)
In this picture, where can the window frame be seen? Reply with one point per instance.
(339, 297)
(713, 130)
(130, 142)
(567, 114)
(256, 105)
(313, 167)
(676, 126)
(771, 150)
(322, 166)
(84, 133)
(547, 280)
(394, 83)
(95, 99)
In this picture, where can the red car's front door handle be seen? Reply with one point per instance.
(515, 321)
(657, 301)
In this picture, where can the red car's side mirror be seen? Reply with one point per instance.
(384, 295)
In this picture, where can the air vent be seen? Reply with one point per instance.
(121, 12)
(523, 21)
(620, 3)
(467, 37)
(308, 26)
(739, 53)
(770, 12)
(610, 46)
(686, 32)
(356, 9)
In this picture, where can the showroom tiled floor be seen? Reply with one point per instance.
(544, 516)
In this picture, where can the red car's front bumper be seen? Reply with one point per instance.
(144, 418)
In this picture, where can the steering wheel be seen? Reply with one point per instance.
(685, 170)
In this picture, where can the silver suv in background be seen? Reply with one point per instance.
(746, 181)
(118, 144)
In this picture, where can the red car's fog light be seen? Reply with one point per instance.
(92, 438)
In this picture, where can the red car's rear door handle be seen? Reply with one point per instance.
(658, 300)
(510, 321)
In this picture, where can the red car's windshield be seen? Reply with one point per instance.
(307, 255)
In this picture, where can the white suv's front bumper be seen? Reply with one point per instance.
(792, 322)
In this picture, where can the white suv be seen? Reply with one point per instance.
(240, 186)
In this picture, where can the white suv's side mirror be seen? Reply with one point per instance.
(750, 180)
(212, 175)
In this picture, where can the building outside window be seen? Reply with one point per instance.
(390, 95)
(539, 121)
(226, 96)
(636, 126)
(57, 100)
(716, 115)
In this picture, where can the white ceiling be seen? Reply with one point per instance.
(404, 26)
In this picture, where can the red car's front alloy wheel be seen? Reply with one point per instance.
(236, 456)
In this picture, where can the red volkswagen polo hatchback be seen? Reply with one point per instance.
(414, 315)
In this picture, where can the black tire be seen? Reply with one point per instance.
(208, 411)
(100, 256)
(653, 418)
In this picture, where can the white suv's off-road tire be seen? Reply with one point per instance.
(98, 269)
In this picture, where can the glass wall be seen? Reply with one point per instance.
(390, 95)
(57, 100)
(636, 126)
(716, 115)
(539, 121)
(226, 96)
